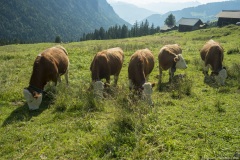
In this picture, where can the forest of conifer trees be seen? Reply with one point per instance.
(117, 32)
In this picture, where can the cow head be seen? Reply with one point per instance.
(147, 91)
(98, 87)
(180, 62)
(221, 77)
(33, 99)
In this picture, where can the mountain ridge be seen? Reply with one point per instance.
(205, 12)
(164, 7)
(41, 21)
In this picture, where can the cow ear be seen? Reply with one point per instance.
(106, 85)
(36, 95)
(176, 58)
(153, 85)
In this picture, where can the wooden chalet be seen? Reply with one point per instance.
(189, 24)
(227, 17)
(167, 28)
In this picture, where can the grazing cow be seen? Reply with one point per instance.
(106, 63)
(140, 66)
(212, 55)
(170, 57)
(48, 66)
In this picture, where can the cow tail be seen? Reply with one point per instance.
(65, 51)
(62, 48)
(95, 69)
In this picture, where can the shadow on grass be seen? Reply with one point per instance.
(209, 80)
(168, 86)
(23, 113)
(163, 87)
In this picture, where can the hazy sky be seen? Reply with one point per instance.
(140, 2)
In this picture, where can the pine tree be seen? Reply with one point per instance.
(124, 33)
(57, 39)
(96, 35)
(152, 31)
(102, 33)
(135, 29)
(170, 20)
(146, 28)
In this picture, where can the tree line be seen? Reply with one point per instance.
(117, 31)
(114, 32)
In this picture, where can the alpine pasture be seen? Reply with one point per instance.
(192, 118)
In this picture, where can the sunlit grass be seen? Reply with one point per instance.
(190, 119)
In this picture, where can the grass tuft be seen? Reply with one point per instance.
(91, 104)
(198, 63)
(233, 51)
(6, 57)
(234, 71)
(224, 90)
(219, 107)
(181, 86)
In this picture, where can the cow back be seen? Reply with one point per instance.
(48, 66)
(141, 65)
(212, 54)
(167, 54)
(115, 59)
(60, 56)
(107, 62)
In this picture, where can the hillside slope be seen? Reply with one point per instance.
(43, 20)
(205, 12)
(191, 119)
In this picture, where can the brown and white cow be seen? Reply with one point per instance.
(212, 55)
(106, 63)
(48, 66)
(140, 66)
(170, 57)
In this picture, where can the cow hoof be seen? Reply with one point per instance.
(33, 108)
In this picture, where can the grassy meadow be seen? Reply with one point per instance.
(192, 118)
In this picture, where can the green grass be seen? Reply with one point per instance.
(190, 119)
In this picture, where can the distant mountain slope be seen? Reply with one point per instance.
(129, 12)
(43, 20)
(164, 7)
(206, 12)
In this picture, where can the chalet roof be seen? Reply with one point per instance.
(188, 21)
(166, 27)
(229, 14)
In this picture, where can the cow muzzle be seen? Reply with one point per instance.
(33, 103)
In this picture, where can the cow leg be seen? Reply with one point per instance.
(205, 70)
(147, 77)
(55, 79)
(160, 74)
(108, 79)
(59, 79)
(130, 84)
(55, 74)
(66, 76)
(171, 73)
(115, 80)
